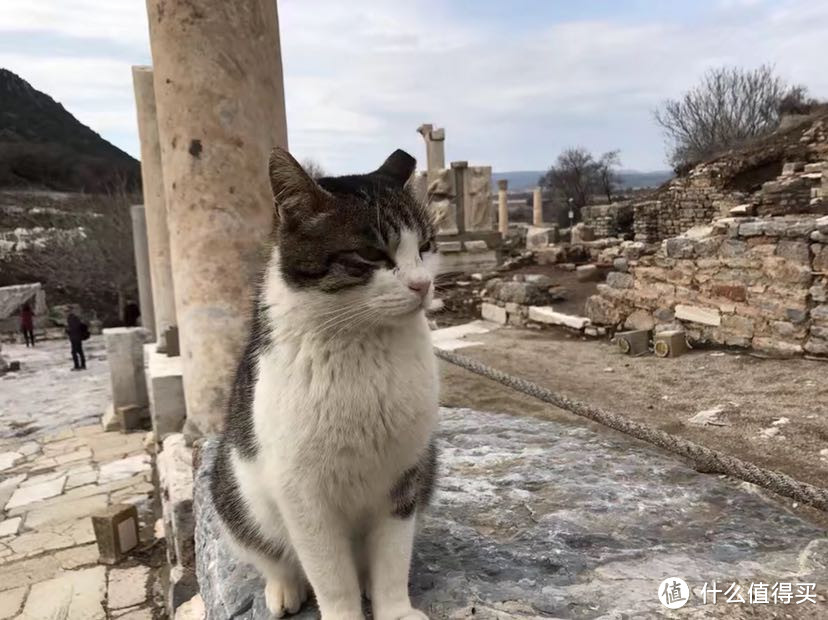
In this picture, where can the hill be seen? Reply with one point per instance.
(524, 180)
(43, 146)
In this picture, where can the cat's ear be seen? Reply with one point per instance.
(292, 186)
(398, 167)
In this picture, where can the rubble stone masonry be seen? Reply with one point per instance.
(749, 282)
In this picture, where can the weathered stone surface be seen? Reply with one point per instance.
(9, 460)
(493, 312)
(640, 320)
(127, 587)
(543, 314)
(602, 311)
(10, 526)
(776, 348)
(36, 492)
(124, 468)
(539, 237)
(553, 517)
(75, 594)
(11, 601)
(616, 279)
(697, 314)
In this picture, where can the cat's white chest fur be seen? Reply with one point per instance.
(351, 413)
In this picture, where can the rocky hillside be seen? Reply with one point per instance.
(42, 146)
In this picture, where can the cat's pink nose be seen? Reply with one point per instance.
(420, 287)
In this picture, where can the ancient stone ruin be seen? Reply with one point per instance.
(742, 256)
(460, 197)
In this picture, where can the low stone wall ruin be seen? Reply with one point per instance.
(612, 220)
(747, 282)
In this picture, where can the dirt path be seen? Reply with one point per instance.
(665, 393)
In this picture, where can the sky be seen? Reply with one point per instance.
(513, 83)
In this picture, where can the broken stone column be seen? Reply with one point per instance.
(220, 106)
(435, 146)
(502, 207)
(125, 356)
(142, 268)
(537, 207)
(158, 238)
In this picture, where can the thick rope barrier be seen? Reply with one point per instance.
(704, 459)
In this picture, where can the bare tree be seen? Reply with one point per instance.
(577, 176)
(572, 176)
(728, 106)
(313, 168)
(605, 174)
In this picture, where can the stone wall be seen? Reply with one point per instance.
(780, 174)
(612, 220)
(750, 282)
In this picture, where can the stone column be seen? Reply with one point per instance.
(502, 207)
(537, 207)
(435, 146)
(158, 238)
(220, 104)
(142, 268)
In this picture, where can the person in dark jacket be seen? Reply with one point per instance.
(131, 314)
(27, 324)
(76, 330)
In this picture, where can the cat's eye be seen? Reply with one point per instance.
(372, 255)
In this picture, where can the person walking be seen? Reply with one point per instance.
(27, 324)
(77, 332)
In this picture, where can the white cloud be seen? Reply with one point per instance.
(361, 76)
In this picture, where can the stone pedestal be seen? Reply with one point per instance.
(124, 353)
(502, 207)
(220, 106)
(158, 238)
(142, 268)
(537, 207)
(165, 387)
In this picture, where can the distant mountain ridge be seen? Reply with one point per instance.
(524, 180)
(43, 146)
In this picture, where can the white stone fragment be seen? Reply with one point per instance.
(492, 312)
(697, 314)
(124, 468)
(545, 314)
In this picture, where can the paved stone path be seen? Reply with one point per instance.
(537, 519)
(57, 468)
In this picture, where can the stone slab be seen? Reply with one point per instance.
(697, 314)
(75, 594)
(127, 587)
(36, 492)
(492, 312)
(555, 520)
(546, 314)
(11, 601)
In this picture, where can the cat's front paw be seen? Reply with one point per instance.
(285, 596)
(413, 614)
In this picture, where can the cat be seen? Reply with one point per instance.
(328, 452)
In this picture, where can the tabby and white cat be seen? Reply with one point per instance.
(328, 451)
